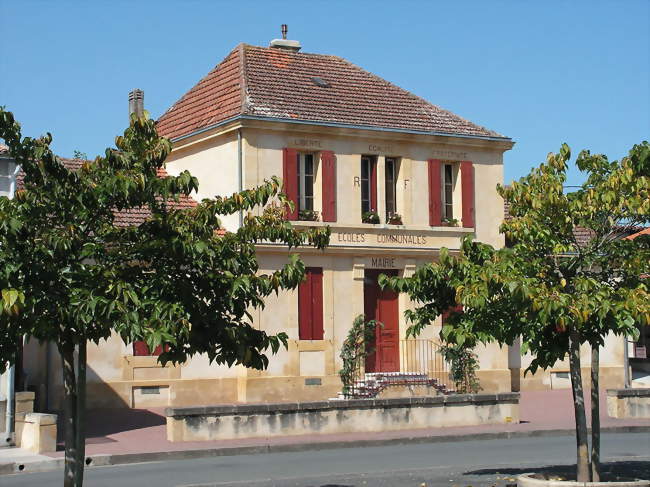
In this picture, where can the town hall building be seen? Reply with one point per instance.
(394, 177)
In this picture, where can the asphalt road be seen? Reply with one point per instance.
(454, 464)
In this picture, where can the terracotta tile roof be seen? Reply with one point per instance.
(584, 235)
(123, 218)
(645, 231)
(277, 83)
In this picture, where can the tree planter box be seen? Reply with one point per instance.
(529, 480)
(628, 403)
(339, 416)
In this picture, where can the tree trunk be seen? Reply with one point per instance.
(582, 464)
(595, 415)
(80, 437)
(70, 404)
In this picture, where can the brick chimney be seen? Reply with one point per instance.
(136, 102)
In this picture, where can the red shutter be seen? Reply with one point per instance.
(140, 349)
(317, 303)
(435, 201)
(290, 180)
(445, 314)
(467, 182)
(373, 186)
(328, 161)
(310, 305)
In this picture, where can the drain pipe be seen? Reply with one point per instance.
(11, 372)
(9, 418)
(626, 362)
(240, 173)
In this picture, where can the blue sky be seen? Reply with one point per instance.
(542, 73)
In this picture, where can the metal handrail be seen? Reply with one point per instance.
(421, 363)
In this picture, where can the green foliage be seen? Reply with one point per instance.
(370, 217)
(355, 349)
(308, 215)
(395, 219)
(450, 222)
(547, 284)
(464, 364)
(549, 288)
(74, 275)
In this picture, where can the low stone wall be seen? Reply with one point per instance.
(345, 416)
(628, 403)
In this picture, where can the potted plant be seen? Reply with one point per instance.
(370, 217)
(449, 222)
(308, 215)
(395, 219)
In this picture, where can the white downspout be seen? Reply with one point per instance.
(240, 173)
(11, 372)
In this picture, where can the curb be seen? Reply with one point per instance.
(103, 460)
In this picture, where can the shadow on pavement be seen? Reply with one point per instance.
(633, 469)
(106, 422)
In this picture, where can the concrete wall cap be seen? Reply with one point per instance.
(40, 418)
(508, 396)
(641, 392)
(485, 398)
(25, 396)
(294, 407)
(458, 398)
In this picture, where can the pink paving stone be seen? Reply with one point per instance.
(117, 431)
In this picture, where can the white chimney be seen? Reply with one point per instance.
(285, 43)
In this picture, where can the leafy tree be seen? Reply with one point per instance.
(464, 364)
(356, 347)
(71, 275)
(550, 289)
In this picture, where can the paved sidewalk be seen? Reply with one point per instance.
(139, 435)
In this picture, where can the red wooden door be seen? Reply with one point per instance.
(381, 305)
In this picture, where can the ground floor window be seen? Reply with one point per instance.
(310, 305)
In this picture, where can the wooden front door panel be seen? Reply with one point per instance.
(381, 305)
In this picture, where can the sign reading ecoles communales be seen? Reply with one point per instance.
(388, 239)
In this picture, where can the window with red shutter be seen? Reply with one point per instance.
(467, 188)
(328, 164)
(310, 305)
(290, 180)
(435, 201)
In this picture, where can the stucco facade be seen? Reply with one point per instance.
(307, 370)
(234, 130)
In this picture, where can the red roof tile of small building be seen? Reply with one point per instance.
(123, 218)
(277, 83)
(645, 231)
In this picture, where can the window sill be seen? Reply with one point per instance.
(384, 226)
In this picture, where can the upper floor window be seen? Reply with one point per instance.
(368, 184)
(391, 187)
(447, 191)
(306, 173)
